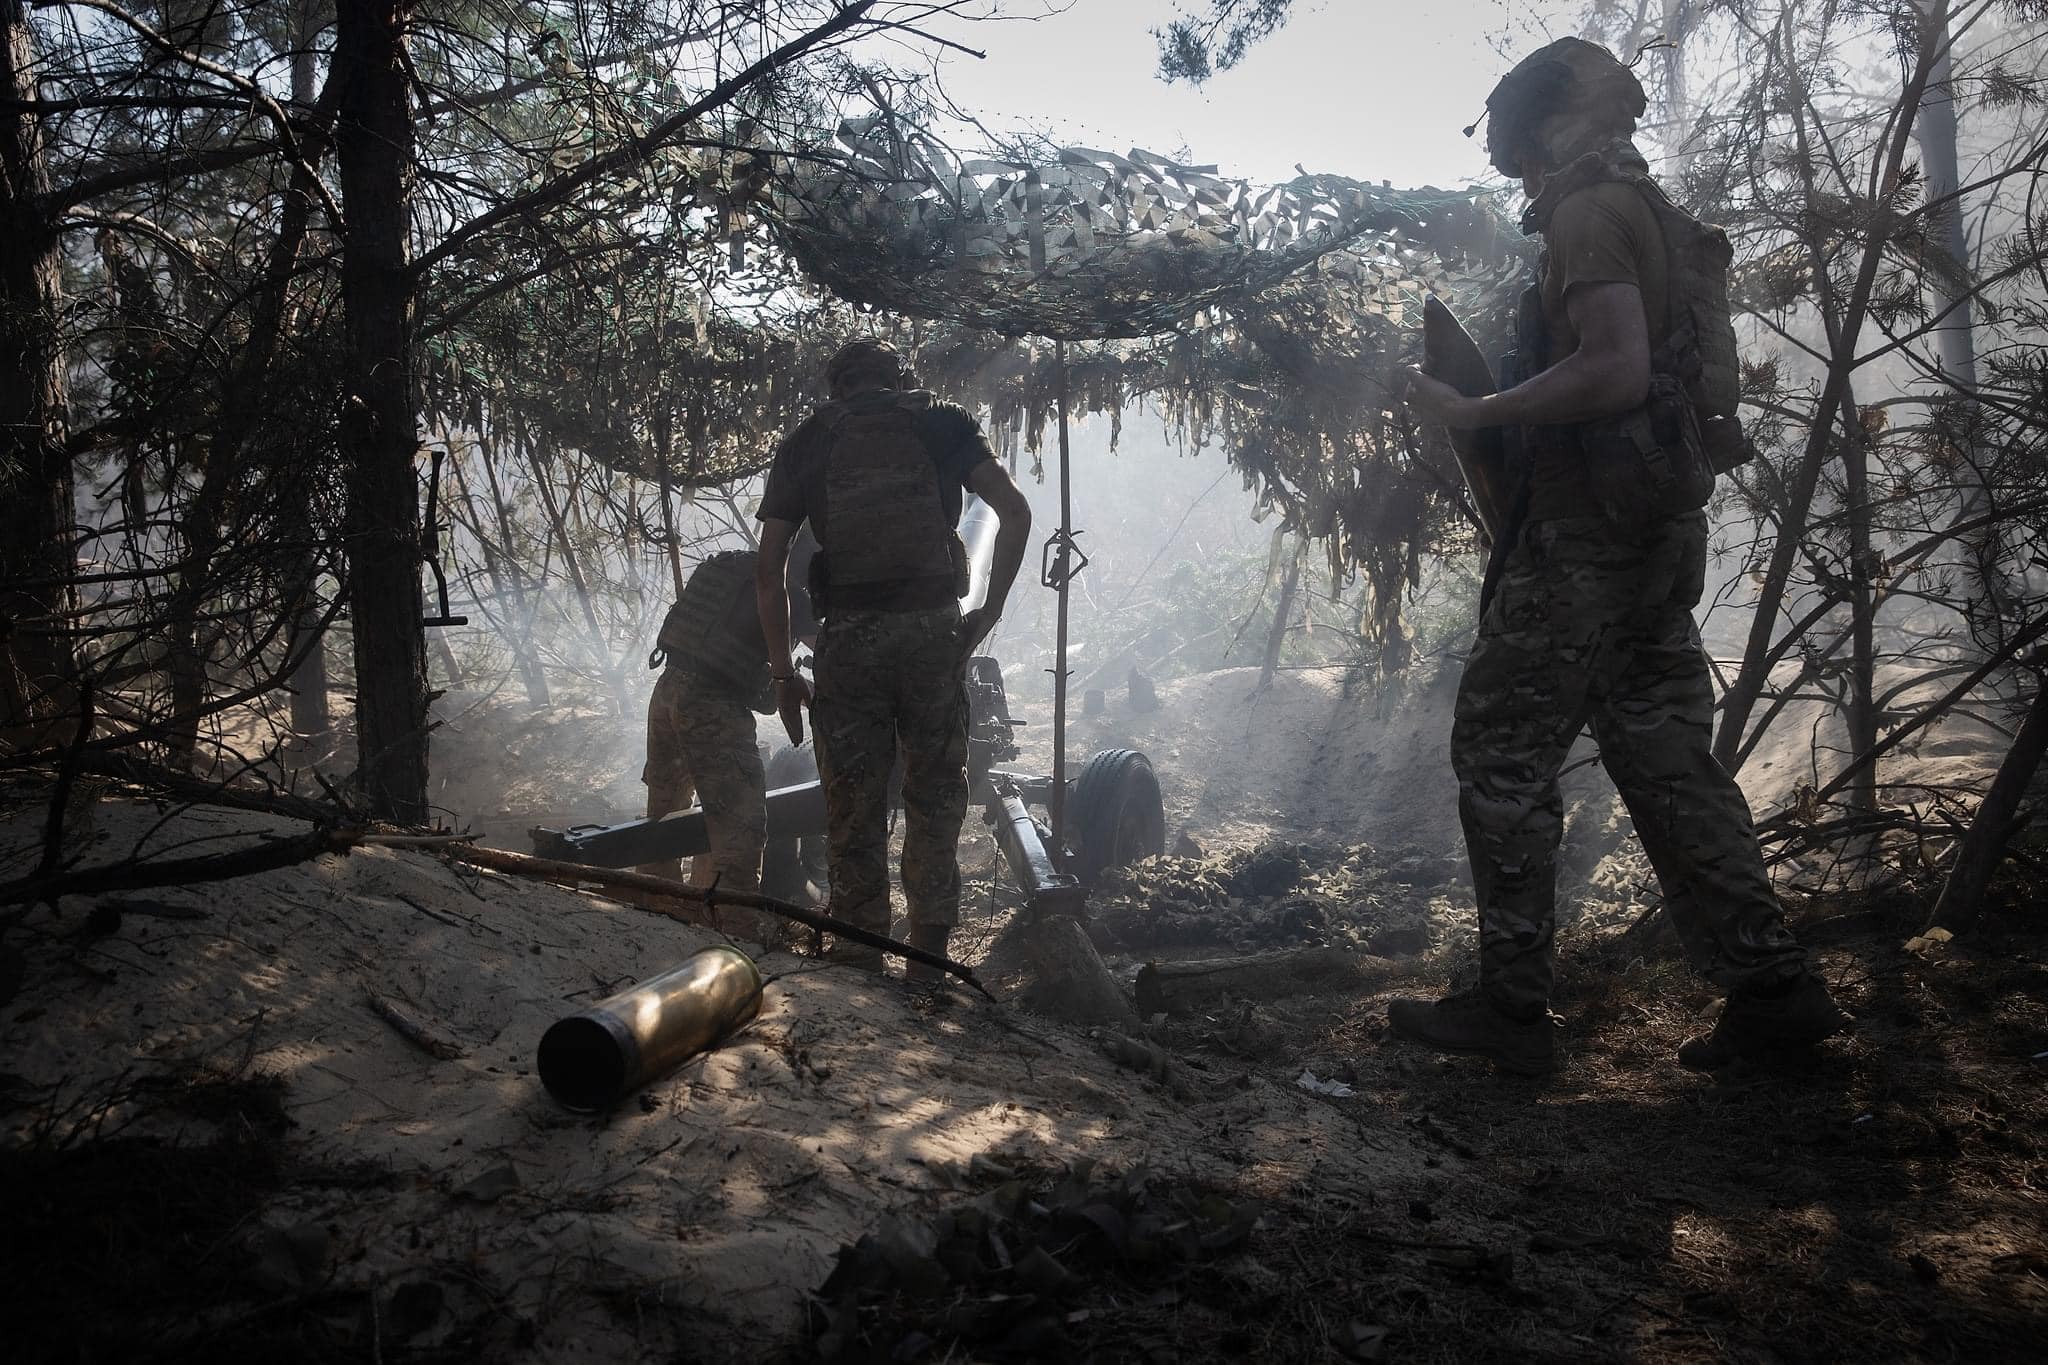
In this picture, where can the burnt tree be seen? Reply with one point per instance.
(36, 561)
(373, 149)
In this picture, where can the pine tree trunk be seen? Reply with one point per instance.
(310, 720)
(1983, 848)
(1283, 615)
(37, 666)
(1983, 555)
(1861, 710)
(379, 428)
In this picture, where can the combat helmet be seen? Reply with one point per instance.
(1567, 97)
(864, 359)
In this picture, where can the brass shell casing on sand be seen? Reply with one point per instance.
(595, 1058)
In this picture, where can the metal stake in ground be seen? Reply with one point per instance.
(1063, 560)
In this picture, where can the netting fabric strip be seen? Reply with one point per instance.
(1091, 245)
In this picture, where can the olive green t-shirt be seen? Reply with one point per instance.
(1603, 234)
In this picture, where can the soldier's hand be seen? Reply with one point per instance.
(975, 626)
(1435, 401)
(792, 695)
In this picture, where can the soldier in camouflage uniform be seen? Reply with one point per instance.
(701, 737)
(878, 474)
(1590, 614)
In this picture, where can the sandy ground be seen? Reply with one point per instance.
(444, 1207)
(723, 1193)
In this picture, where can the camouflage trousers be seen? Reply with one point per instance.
(884, 679)
(701, 740)
(1588, 622)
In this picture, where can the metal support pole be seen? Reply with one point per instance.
(668, 507)
(1056, 809)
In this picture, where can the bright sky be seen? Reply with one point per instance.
(1368, 89)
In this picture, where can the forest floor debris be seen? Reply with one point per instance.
(1884, 1199)
(1278, 895)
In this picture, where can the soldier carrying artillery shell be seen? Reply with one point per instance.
(1624, 393)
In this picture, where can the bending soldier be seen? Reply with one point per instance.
(1627, 416)
(701, 736)
(877, 473)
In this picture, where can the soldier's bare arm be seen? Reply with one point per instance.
(771, 599)
(1609, 373)
(992, 483)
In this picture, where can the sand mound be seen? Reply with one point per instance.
(710, 1207)
(1316, 756)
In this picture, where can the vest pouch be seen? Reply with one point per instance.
(1651, 462)
(963, 572)
(675, 636)
(1727, 446)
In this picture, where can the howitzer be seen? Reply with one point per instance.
(1114, 812)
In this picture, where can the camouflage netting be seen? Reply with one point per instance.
(1269, 321)
(1091, 245)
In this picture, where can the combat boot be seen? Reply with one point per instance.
(844, 952)
(1469, 1021)
(933, 939)
(1798, 1014)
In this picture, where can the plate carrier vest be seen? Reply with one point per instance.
(713, 630)
(885, 519)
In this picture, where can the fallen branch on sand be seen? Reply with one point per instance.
(641, 888)
(411, 1029)
(127, 876)
(1149, 1059)
(1183, 987)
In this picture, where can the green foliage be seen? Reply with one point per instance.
(1195, 47)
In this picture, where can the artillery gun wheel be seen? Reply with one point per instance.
(1116, 817)
(792, 867)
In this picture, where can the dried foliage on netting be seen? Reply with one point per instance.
(1271, 321)
(1090, 245)
(636, 378)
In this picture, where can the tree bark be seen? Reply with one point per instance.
(1183, 987)
(1983, 847)
(1935, 131)
(379, 421)
(37, 564)
(1283, 615)
(1956, 338)
(1861, 711)
(310, 718)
